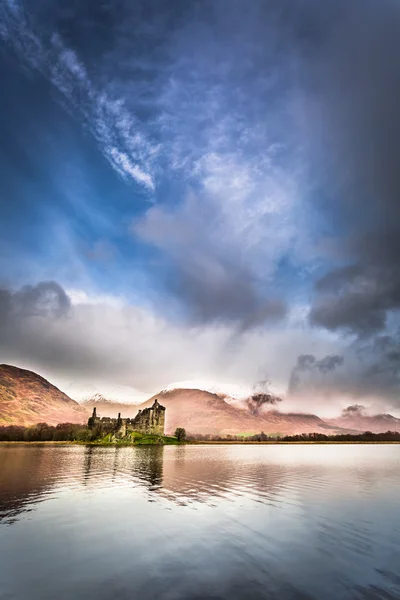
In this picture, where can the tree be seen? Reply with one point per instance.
(180, 434)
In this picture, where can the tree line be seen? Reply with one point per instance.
(367, 436)
(70, 432)
(63, 432)
(42, 432)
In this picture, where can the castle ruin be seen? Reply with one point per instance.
(148, 420)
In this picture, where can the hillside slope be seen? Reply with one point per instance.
(202, 412)
(27, 398)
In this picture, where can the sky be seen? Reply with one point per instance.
(204, 192)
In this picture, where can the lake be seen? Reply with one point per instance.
(200, 522)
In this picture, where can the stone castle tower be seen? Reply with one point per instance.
(148, 420)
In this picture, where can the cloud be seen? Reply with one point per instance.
(215, 121)
(380, 372)
(354, 410)
(224, 119)
(118, 133)
(212, 276)
(356, 298)
(126, 167)
(46, 299)
(367, 369)
(255, 399)
(259, 402)
(351, 116)
(329, 363)
(310, 374)
(72, 336)
(84, 338)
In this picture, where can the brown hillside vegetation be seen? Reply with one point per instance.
(27, 398)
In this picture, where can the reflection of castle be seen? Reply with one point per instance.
(149, 420)
(148, 466)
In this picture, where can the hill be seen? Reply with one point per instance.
(27, 398)
(203, 412)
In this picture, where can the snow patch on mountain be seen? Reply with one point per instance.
(105, 392)
(234, 394)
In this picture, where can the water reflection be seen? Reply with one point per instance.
(26, 478)
(148, 467)
(200, 522)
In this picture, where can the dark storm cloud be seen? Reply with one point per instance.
(329, 363)
(355, 121)
(46, 299)
(220, 291)
(357, 298)
(309, 372)
(37, 323)
(368, 369)
(380, 360)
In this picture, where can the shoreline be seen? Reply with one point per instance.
(200, 443)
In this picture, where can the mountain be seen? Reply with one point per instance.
(27, 398)
(107, 407)
(203, 412)
(362, 422)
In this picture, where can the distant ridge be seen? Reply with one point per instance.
(362, 422)
(27, 398)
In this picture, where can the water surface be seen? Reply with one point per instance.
(194, 522)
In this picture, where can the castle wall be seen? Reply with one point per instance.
(149, 420)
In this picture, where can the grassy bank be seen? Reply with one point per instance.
(283, 443)
(148, 440)
(132, 439)
(136, 439)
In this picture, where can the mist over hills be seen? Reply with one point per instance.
(356, 417)
(203, 412)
